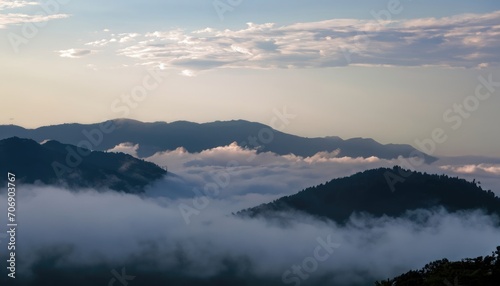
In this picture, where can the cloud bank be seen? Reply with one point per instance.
(257, 177)
(262, 177)
(82, 237)
(461, 41)
(79, 238)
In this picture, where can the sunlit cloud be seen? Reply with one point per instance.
(15, 19)
(10, 19)
(461, 41)
(5, 4)
(126, 148)
(188, 73)
(74, 53)
(474, 169)
(288, 174)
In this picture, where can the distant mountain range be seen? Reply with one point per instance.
(161, 136)
(369, 192)
(54, 163)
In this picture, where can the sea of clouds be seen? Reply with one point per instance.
(88, 236)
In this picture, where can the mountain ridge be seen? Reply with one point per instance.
(55, 163)
(195, 137)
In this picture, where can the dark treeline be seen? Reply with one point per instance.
(483, 271)
(370, 192)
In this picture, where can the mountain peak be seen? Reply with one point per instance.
(370, 192)
(57, 163)
(196, 137)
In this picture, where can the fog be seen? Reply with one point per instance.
(262, 177)
(84, 235)
(181, 231)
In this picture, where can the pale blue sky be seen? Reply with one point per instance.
(335, 65)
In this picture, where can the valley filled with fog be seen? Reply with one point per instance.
(183, 229)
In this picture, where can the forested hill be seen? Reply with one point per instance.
(370, 192)
(54, 163)
(480, 271)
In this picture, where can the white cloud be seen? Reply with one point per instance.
(12, 4)
(15, 19)
(467, 40)
(9, 19)
(244, 172)
(285, 175)
(127, 148)
(74, 53)
(482, 65)
(188, 73)
(124, 38)
(98, 43)
(474, 169)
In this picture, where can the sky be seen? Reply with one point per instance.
(396, 71)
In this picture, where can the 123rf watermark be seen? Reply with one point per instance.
(11, 224)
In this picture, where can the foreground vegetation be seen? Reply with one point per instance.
(481, 271)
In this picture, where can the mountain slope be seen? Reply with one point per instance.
(484, 271)
(57, 163)
(369, 192)
(161, 136)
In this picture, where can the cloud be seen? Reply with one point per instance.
(124, 38)
(9, 19)
(148, 237)
(15, 19)
(234, 170)
(487, 175)
(461, 41)
(474, 169)
(247, 178)
(188, 73)
(74, 53)
(12, 4)
(147, 234)
(127, 148)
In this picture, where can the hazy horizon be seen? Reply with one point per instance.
(389, 70)
(285, 131)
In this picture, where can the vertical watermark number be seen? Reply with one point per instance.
(11, 224)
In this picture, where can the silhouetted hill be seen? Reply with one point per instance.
(161, 136)
(369, 192)
(483, 271)
(61, 164)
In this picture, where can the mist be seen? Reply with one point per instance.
(80, 237)
(263, 177)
